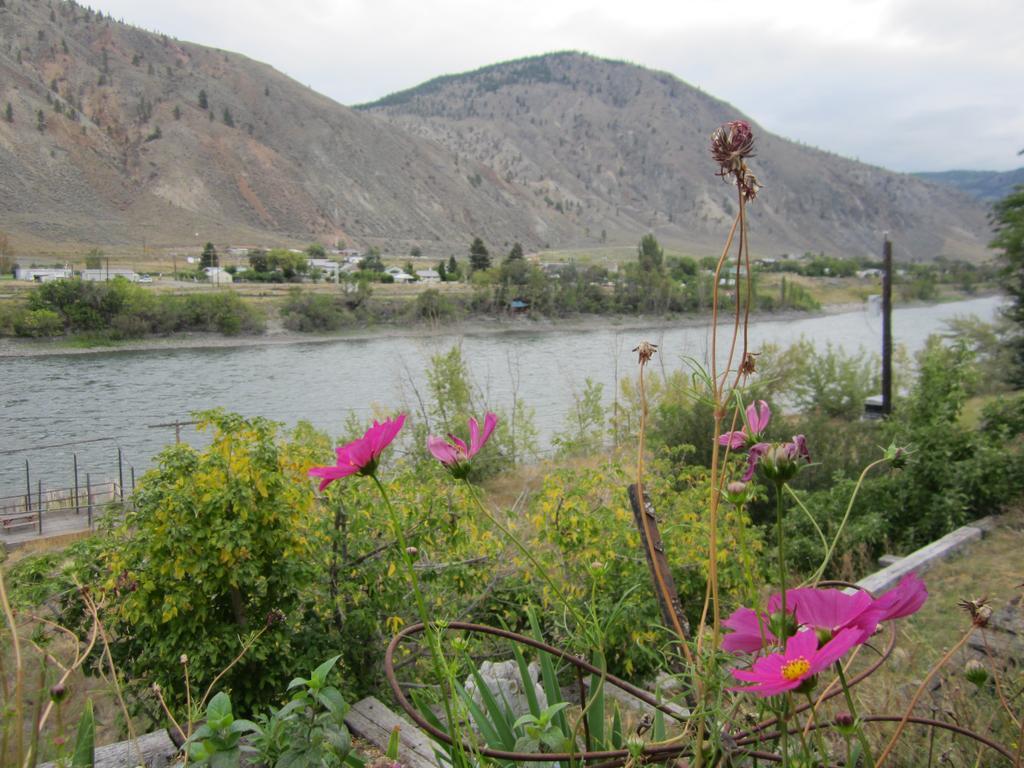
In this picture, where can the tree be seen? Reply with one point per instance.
(479, 257)
(5, 251)
(454, 272)
(415, 251)
(515, 253)
(209, 257)
(229, 121)
(177, 112)
(442, 273)
(1008, 216)
(9, 113)
(650, 254)
(316, 251)
(203, 102)
(94, 259)
(258, 261)
(40, 121)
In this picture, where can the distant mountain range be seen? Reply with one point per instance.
(988, 186)
(123, 138)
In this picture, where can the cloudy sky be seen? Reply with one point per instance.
(907, 84)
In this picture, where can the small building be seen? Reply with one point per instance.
(863, 274)
(328, 266)
(42, 274)
(351, 255)
(428, 275)
(102, 275)
(217, 276)
(399, 275)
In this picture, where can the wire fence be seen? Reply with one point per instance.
(57, 510)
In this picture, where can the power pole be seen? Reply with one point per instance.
(886, 325)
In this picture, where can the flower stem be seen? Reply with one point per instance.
(864, 743)
(440, 666)
(782, 557)
(540, 569)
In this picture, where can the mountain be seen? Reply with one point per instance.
(109, 145)
(987, 186)
(112, 143)
(624, 149)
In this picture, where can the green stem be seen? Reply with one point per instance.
(782, 558)
(869, 758)
(440, 667)
(818, 735)
(540, 569)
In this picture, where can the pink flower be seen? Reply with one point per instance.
(360, 457)
(832, 610)
(455, 455)
(779, 462)
(756, 424)
(750, 631)
(802, 659)
(905, 598)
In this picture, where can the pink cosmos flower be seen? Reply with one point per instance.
(832, 610)
(802, 659)
(455, 455)
(360, 457)
(778, 461)
(750, 632)
(905, 598)
(756, 424)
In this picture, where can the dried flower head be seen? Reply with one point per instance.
(975, 672)
(979, 610)
(731, 143)
(749, 365)
(275, 616)
(645, 351)
(183, 659)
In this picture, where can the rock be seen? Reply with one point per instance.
(505, 683)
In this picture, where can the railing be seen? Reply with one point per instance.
(48, 510)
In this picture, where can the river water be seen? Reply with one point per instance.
(113, 398)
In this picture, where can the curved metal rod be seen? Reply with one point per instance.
(442, 736)
(925, 721)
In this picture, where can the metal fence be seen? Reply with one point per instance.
(42, 511)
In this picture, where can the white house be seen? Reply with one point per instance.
(41, 274)
(428, 275)
(217, 276)
(101, 275)
(399, 275)
(328, 266)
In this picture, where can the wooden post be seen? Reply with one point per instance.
(39, 501)
(28, 489)
(132, 470)
(88, 497)
(177, 432)
(886, 325)
(78, 506)
(671, 609)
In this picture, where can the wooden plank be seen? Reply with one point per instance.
(158, 751)
(370, 719)
(922, 559)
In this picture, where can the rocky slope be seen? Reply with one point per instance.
(123, 138)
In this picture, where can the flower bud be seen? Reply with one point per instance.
(845, 723)
(58, 693)
(736, 493)
(975, 672)
(183, 659)
(411, 551)
(635, 745)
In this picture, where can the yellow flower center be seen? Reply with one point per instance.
(796, 668)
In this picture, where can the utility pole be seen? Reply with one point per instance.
(886, 325)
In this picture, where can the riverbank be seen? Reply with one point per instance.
(17, 348)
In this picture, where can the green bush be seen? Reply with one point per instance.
(36, 323)
(314, 312)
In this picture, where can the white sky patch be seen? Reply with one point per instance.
(906, 84)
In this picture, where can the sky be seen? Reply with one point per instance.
(911, 85)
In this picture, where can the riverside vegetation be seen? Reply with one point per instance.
(229, 572)
(654, 284)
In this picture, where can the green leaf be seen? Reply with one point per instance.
(393, 743)
(319, 676)
(298, 681)
(617, 741)
(479, 717)
(595, 713)
(552, 690)
(499, 715)
(84, 754)
(528, 685)
(658, 730)
(218, 712)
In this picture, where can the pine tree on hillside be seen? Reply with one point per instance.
(479, 257)
(9, 113)
(203, 102)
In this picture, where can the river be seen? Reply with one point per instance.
(113, 398)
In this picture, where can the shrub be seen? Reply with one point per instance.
(36, 323)
(313, 312)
